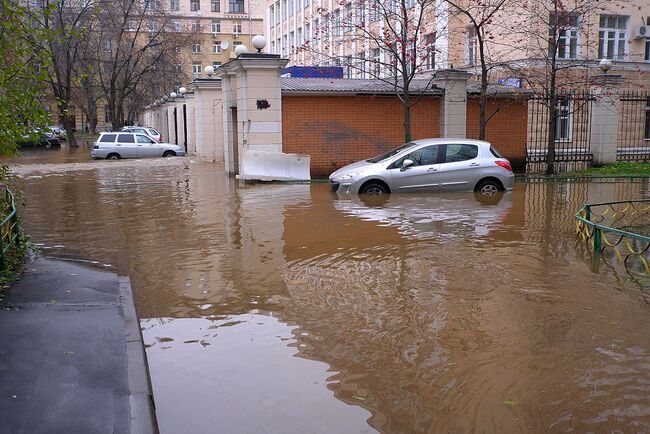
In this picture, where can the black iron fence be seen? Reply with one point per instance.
(571, 138)
(634, 127)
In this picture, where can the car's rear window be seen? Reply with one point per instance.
(154, 132)
(108, 138)
(495, 152)
(125, 138)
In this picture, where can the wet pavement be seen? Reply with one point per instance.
(283, 308)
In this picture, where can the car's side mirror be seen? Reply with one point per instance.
(407, 163)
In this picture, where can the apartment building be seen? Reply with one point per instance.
(219, 26)
(326, 33)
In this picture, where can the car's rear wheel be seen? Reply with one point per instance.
(113, 156)
(489, 188)
(169, 154)
(374, 189)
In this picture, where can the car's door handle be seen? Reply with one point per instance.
(139, 145)
(474, 165)
(432, 169)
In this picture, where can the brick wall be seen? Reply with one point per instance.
(506, 130)
(338, 130)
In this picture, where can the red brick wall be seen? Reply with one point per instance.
(338, 130)
(506, 130)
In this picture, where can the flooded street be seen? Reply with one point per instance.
(283, 308)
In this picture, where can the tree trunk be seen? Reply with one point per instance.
(482, 105)
(67, 123)
(407, 115)
(552, 121)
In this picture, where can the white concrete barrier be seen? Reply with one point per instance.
(274, 166)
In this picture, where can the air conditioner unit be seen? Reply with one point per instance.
(215, 34)
(235, 35)
(642, 32)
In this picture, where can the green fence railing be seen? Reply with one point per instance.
(614, 227)
(9, 228)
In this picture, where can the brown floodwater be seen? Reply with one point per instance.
(282, 308)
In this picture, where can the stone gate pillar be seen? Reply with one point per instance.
(453, 107)
(252, 106)
(191, 127)
(605, 115)
(208, 118)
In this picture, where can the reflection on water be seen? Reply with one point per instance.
(275, 305)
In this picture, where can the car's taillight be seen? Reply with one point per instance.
(505, 165)
(160, 140)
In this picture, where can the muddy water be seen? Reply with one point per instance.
(282, 308)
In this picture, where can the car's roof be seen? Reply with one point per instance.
(450, 140)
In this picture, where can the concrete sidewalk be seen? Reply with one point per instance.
(71, 353)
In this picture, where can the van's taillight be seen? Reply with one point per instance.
(505, 165)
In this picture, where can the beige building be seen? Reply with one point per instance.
(220, 26)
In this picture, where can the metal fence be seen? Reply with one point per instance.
(634, 127)
(9, 228)
(612, 230)
(572, 128)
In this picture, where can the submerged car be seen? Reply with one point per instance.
(58, 131)
(40, 139)
(117, 145)
(428, 165)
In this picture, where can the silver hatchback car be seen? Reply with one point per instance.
(116, 145)
(429, 165)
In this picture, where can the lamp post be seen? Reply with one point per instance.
(172, 97)
(182, 91)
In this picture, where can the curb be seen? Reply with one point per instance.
(141, 401)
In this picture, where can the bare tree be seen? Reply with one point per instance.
(391, 41)
(482, 19)
(135, 45)
(553, 36)
(65, 27)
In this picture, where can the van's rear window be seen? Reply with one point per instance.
(110, 138)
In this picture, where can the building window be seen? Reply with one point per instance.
(277, 12)
(195, 5)
(612, 37)
(299, 41)
(430, 47)
(215, 5)
(307, 2)
(196, 48)
(196, 69)
(284, 45)
(646, 134)
(236, 6)
(566, 36)
(375, 57)
(271, 17)
(216, 27)
(216, 47)
(361, 13)
(336, 23)
(361, 65)
(375, 10)
(178, 68)
(563, 122)
(291, 7)
(176, 26)
(647, 50)
(235, 43)
(131, 26)
(196, 26)
(236, 27)
(273, 47)
(152, 5)
(216, 64)
(292, 41)
(307, 32)
(284, 10)
(174, 5)
(471, 51)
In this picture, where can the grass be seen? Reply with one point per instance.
(623, 169)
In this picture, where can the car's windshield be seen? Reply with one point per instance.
(390, 153)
